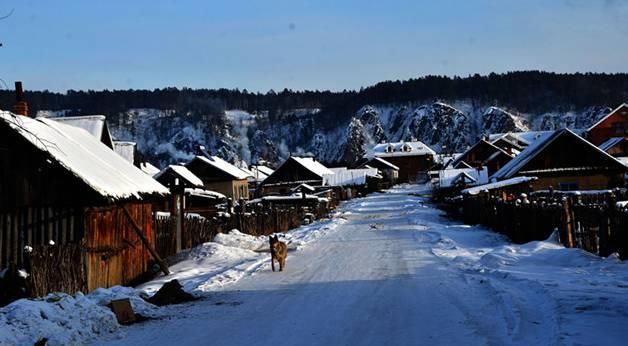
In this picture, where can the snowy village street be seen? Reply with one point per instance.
(395, 272)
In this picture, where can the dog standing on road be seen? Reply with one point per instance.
(278, 251)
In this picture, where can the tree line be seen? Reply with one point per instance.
(526, 91)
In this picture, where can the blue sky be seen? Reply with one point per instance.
(259, 45)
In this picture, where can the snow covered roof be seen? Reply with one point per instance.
(84, 156)
(401, 149)
(447, 177)
(623, 159)
(498, 150)
(305, 187)
(182, 172)
(94, 124)
(257, 174)
(386, 163)
(607, 116)
(262, 169)
(294, 197)
(125, 149)
(497, 185)
(224, 166)
(148, 168)
(350, 177)
(514, 165)
(611, 142)
(204, 193)
(248, 172)
(527, 137)
(312, 165)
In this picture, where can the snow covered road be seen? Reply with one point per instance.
(396, 272)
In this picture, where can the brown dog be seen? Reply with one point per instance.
(278, 251)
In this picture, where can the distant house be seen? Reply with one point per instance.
(190, 188)
(220, 176)
(294, 172)
(462, 177)
(616, 146)
(482, 154)
(412, 158)
(614, 124)
(178, 175)
(361, 177)
(565, 161)
(59, 182)
(389, 172)
(96, 125)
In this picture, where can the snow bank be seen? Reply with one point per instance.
(231, 256)
(75, 320)
(65, 319)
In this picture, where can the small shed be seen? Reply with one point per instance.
(220, 176)
(293, 172)
(60, 183)
(389, 172)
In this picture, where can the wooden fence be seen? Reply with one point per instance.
(195, 231)
(591, 222)
(34, 227)
(254, 220)
(57, 268)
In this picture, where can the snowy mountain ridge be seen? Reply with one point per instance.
(165, 137)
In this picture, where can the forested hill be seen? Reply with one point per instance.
(529, 91)
(338, 127)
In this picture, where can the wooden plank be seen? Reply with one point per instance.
(29, 227)
(49, 225)
(138, 230)
(64, 226)
(3, 242)
(13, 240)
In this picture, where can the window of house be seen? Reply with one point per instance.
(621, 128)
(567, 186)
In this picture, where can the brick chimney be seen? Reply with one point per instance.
(20, 107)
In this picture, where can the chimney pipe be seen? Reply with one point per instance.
(20, 107)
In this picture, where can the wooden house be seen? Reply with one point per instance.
(190, 188)
(565, 161)
(614, 124)
(482, 154)
(389, 172)
(60, 183)
(294, 172)
(220, 176)
(412, 158)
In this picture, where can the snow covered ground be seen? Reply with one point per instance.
(387, 269)
(397, 272)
